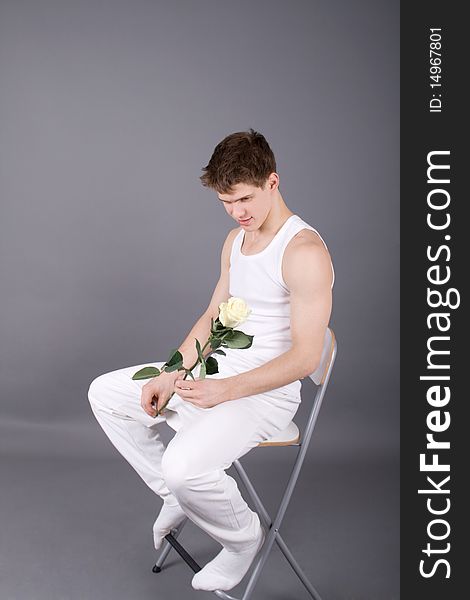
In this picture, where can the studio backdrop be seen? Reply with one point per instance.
(109, 244)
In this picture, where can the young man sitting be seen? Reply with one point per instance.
(280, 266)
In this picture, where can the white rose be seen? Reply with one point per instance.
(233, 312)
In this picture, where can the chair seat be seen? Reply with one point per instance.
(287, 437)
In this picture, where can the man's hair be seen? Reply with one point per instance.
(241, 157)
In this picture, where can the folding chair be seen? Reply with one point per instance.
(289, 437)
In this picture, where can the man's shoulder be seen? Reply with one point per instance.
(306, 240)
(305, 253)
(227, 246)
(229, 238)
(233, 233)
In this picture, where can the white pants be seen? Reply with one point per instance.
(191, 470)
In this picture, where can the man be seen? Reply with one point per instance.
(281, 267)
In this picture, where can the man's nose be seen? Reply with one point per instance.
(238, 211)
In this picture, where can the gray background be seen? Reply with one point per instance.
(110, 251)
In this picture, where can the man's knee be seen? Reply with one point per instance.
(180, 467)
(98, 390)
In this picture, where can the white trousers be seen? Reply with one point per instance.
(190, 471)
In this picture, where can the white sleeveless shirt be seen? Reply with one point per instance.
(257, 278)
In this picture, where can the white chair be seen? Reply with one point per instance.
(289, 437)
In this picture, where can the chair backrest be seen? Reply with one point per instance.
(320, 377)
(327, 358)
(291, 435)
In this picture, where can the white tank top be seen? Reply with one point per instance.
(257, 278)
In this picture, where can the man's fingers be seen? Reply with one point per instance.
(145, 398)
(185, 390)
(161, 402)
(184, 384)
(146, 402)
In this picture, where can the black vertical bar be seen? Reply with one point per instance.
(433, 119)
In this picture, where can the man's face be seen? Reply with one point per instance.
(249, 205)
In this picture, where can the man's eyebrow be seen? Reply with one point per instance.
(242, 198)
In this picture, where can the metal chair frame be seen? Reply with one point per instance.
(321, 378)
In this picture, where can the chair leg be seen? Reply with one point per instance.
(259, 564)
(167, 547)
(298, 570)
(273, 535)
(224, 595)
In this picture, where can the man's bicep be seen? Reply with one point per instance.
(220, 294)
(309, 281)
(221, 290)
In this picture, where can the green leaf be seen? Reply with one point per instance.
(238, 339)
(190, 374)
(175, 357)
(215, 342)
(174, 362)
(199, 351)
(211, 365)
(220, 352)
(202, 372)
(146, 373)
(176, 367)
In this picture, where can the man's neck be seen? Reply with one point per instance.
(276, 218)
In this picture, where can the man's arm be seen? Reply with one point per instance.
(201, 329)
(163, 386)
(308, 275)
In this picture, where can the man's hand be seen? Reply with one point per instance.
(204, 392)
(158, 390)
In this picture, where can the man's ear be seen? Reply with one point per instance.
(272, 181)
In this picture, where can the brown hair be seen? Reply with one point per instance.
(241, 157)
